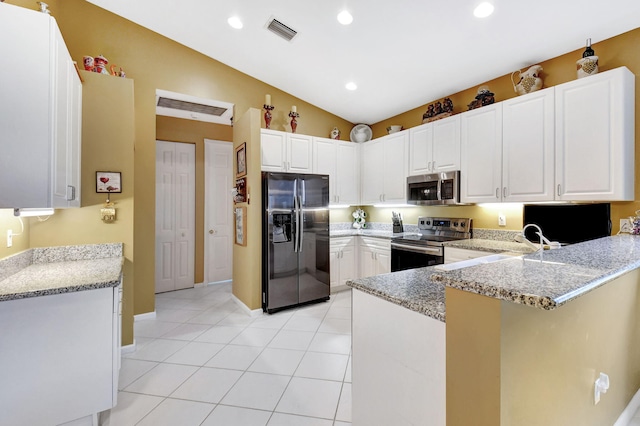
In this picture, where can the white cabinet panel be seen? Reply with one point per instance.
(39, 113)
(374, 256)
(343, 262)
(527, 147)
(384, 170)
(285, 152)
(481, 155)
(595, 142)
(339, 160)
(435, 147)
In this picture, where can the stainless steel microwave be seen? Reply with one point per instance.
(435, 189)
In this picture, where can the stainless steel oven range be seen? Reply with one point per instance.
(425, 249)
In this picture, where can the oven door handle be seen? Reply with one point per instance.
(426, 250)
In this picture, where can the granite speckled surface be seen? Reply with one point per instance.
(544, 280)
(550, 278)
(494, 246)
(56, 270)
(412, 289)
(373, 229)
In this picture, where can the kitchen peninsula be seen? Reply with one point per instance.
(60, 313)
(514, 342)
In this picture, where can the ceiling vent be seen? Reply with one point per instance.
(281, 30)
(177, 105)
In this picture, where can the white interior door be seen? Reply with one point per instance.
(175, 215)
(218, 211)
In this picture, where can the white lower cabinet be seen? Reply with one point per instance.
(454, 254)
(60, 352)
(344, 267)
(399, 365)
(374, 256)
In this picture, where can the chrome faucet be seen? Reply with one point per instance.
(521, 238)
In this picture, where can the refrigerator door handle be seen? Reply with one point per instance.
(296, 216)
(300, 225)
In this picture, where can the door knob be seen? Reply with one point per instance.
(211, 231)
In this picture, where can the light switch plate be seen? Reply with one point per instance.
(9, 238)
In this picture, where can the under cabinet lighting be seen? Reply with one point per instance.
(32, 212)
(351, 86)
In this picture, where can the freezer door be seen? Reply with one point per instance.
(280, 260)
(313, 191)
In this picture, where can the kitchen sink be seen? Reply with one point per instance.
(476, 261)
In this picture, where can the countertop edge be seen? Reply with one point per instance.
(60, 290)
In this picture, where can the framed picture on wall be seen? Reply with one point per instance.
(241, 160)
(109, 182)
(241, 226)
(241, 188)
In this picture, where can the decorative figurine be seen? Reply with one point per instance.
(335, 133)
(483, 98)
(588, 64)
(438, 110)
(267, 111)
(44, 8)
(528, 81)
(294, 123)
(101, 65)
(88, 63)
(115, 73)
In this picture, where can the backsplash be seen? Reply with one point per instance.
(494, 234)
(371, 226)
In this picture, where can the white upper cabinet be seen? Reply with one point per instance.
(339, 160)
(595, 142)
(481, 155)
(527, 147)
(40, 113)
(384, 169)
(435, 147)
(285, 152)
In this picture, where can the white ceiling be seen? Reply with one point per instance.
(402, 54)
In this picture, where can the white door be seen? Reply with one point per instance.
(175, 215)
(218, 220)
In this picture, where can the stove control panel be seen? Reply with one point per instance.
(444, 224)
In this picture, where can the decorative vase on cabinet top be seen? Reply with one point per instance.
(528, 81)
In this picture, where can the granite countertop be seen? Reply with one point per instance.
(56, 270)
(368, 233)
(543, 280)
(494, 246)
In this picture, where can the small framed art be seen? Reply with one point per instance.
(241, 160)
(110, 182)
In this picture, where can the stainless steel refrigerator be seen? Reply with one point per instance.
(295, 240)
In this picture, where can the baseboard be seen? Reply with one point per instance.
(145, 316)
(198, 285)
(127, 349)
(219, 282)
(629, 411)
(252, 313)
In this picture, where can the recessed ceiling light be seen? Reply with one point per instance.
(235, 22)
(345, 17)
(483, 10)
(351, 86)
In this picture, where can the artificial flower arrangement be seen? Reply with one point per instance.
(359, 220)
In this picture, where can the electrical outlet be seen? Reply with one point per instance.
(502, 219)
(626, 226)
(9, 238)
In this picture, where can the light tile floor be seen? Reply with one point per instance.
(203, 361)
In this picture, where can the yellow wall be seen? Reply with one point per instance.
(510, 364)
(107, 145)
(195, 132)
(247, 260)
(614, 52)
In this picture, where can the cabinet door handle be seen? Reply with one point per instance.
(497, 192)
(558, 190)
(434, 166)
(429, 166)
(504, 192)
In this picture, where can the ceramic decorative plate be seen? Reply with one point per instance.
(361, 133)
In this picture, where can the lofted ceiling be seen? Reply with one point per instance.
(401, 54)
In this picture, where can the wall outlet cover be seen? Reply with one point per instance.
(9, 238)
(502, 219)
